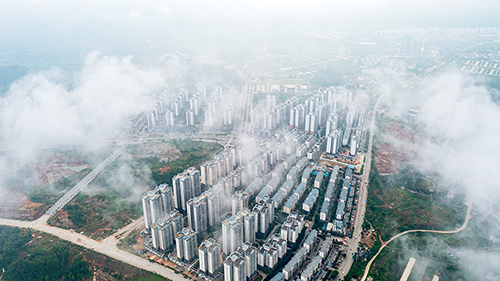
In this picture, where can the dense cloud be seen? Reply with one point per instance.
(43, 108)
(461, 122)
(457, 144)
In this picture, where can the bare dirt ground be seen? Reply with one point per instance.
(368, 238)
(51, 173)
(165, 151)
(391, 153)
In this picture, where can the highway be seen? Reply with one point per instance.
(244, 106)
(83, 183)
(106, 247)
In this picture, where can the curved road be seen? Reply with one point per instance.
(363, 193)
(464, 225)
(106, 247)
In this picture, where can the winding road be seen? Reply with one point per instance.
(464, 225)
(106, 247)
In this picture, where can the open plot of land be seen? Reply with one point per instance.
(31, 255)
(438, 254)
(391, 209)
(389, 157)
(32, 188)
(133, 243)
(112, 200)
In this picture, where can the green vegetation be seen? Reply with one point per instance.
(76, 214)
(44, 181)
(100, 215)
(38, 261)
(193, 154)
(45, 194)
(12, 240)
(435, 254)
(127, 242)
(26, 254)
(334, 73)
(392, 210)
(113, 199)
(359, 265)
(109, 204)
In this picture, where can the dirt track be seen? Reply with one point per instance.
(464, 225)
(106, 247)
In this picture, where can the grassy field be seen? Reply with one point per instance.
(333, 74)
(112, 200)
(391, 209)
(193, 153)
(30, 255)
(450, 256)
(33, 187)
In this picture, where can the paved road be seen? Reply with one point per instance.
(464, 225)
(106, 248)
(244, 104)
(83, 183)
(363, 194)
(353, 243)
(302, 66)
(114, 239)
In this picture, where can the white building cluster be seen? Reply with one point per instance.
(272, 251)
(308, 273)
(206, 210)
(328, 199)
(292, 227)
(294, 198)
(186, 244)
(241, 264)
(239, 229)
(156, 204)
(298, 259)
(340, 217)
(168, 107)
(186, 185)
(219, 109)
(273, 116)
(221, 169)
(264, 211)
(209, 253)
(164, 230)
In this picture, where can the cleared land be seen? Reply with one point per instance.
(112, 200)
(31, 255)
(400, 199)
(451, 257)
(32, 188)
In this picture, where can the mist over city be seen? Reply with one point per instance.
(250, 140)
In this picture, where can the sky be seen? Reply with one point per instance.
(44, 33)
